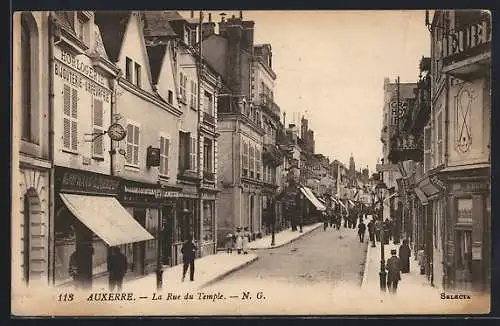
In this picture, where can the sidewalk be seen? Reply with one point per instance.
(208, 269)
(409, 284)
(282, 238)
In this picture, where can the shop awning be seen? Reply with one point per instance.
(107, 218)
(421, 196)
(312, 198)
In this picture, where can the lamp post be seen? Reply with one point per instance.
(380, 190)
(273, 221)
(373, 218)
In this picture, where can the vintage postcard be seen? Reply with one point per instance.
(182, 163)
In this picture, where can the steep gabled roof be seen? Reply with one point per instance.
(156, 54)
(157, 24)
(112, 25)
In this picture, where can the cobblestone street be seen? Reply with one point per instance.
(330, 257)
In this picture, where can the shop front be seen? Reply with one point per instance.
(433, 227)
(153, 207)
(88, 220)
(187, 222)
(208, 245)
(468, 253)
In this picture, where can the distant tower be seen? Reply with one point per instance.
(352, 167)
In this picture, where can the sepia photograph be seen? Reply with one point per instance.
(249, 162)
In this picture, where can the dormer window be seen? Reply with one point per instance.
(82, 28)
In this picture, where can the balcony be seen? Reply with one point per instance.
(405, 147)
(208, 119)
(271, 108)
(467, 50)
(208, 176)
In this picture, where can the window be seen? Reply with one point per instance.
(170, 97)
(81, 30)
(192, 155)
(207, 155)
(252, 162)
(192, 37)
(70, 118)
(26, 69)
(245, 159)
(193, 103)
(427, 148)
(133, 131)
(439, 127)
(208, 105)
(164, 154)
(138, 74)
(128, 70)
(182, 85)
(184, 150)
(98, 126)
(258, 159)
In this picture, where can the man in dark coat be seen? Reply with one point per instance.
(117, 269)
(393, 272)
(361, 231)
(188, 251)
(371, 230)
(404, 256)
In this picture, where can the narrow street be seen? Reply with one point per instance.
(330, 257)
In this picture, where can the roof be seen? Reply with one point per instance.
(112, 25)
(157, 23)
(156, 53)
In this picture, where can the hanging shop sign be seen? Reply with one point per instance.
(85, 182)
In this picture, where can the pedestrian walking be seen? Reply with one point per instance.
(229, 243)
(246, 240)
(404, 257)
(188, 252)
(393, 269)
(361, 231)
(239, 240)
(371, 230)
(117, 269)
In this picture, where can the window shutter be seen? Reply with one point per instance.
(67, 115)
(167, 152)
(136, 145)
(98, 117)
(162, 154)
(74, 116)
(130, 146)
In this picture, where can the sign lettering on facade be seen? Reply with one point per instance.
(80, 75)
(87, 182)
(398, 111)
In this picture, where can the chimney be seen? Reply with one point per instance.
(192, 13)
(233, 33)
(241, 14)
(210, 17)
(248, 35)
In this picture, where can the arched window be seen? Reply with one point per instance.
(26, 69)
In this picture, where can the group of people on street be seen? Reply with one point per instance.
(239, 241)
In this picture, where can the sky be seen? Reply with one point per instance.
(331, 67)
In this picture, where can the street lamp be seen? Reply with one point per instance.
(380, 189)
(373, 218)
(273, 221)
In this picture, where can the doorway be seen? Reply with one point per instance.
(139, 247)
(167, 228)
(251, 213)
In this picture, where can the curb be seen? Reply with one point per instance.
(290, 241)
(367, 263)
(234, 269)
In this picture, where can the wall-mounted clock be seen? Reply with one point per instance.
(116, 132)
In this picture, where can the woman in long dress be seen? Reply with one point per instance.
(246, 240)
(239, 240)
